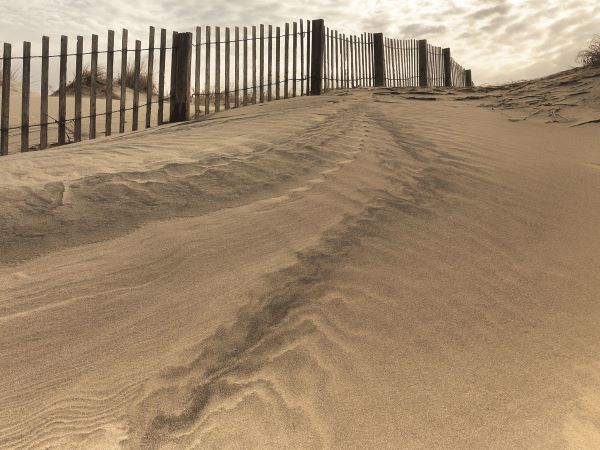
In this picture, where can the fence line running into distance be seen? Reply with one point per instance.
(321, 59)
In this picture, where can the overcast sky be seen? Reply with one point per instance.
(500, 40)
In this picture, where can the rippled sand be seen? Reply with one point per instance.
(359, 270)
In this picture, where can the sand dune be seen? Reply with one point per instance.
(571, 97)
(357, 270)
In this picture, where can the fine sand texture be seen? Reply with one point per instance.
(362, 269)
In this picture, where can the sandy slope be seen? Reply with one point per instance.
(360, 270)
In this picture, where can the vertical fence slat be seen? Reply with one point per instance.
(386, 59)
(207, 73)
(136, 85)
(468, 78)
(328, 59)
(25, 96)
(361, 60)
(110, 56)
(217, 69)
(406, 62)
(93, 86)
(270, 65)
(78, 69)
(245, 98)
(344, 61)
(181, 86)
(122, 103)
(365, 61)
(350, 75)
(301, 57)
(44, 93)
(389, 63)
(237, 67)
(150, 75)
(401, 67)
(349, 62)
(331, 59)
(308, 52)
(161, 75)
(173, 75)
(409, 62)
(254, 56)
(331, 64)
(440, 67)
(347, 59)
(340, 65)
(332, 68)
(261, 70)
(396, 62)
(409, 68)
(353, 67)
(414, 75)
(337, 59)
(355, 59)
(294, 55)
(227, 66)
(366, 58)
(341, 75)
(401, 71)
(357, 71)
(197, 68)
(316, 65)
(286, 61)
(5, 114)
(354, 51)
(62, 91)
(402, 63)
(393, 62)
(245, 69)
(278, 64)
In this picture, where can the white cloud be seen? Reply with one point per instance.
(500, 40)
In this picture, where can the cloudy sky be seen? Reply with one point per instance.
(500, 40)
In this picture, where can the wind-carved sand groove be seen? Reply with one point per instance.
(330, 161)
(104, 205)
(276, 326)
(410, 283)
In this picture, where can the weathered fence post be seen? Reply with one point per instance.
(62, 92)
(317, 52)
(182, 84)
(25, 96)
(468, 78)
(423, 63)
(5, 99)
(447, 68)
(379, 59)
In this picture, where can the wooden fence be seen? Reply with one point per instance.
(211, 69)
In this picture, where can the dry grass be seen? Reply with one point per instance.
(129, 80)
(86, 81)
(14, 72)
(590, 57)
